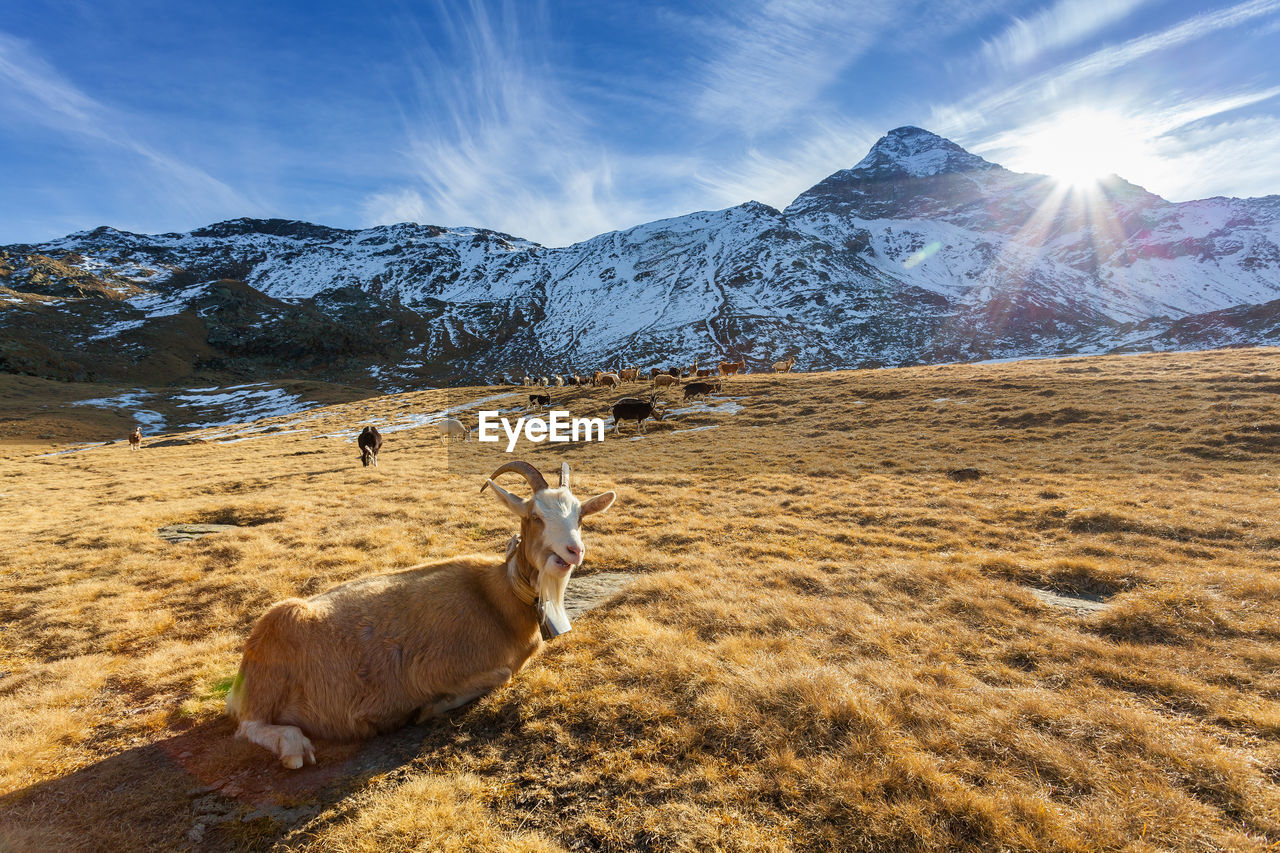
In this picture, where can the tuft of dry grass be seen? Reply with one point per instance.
(830, 644)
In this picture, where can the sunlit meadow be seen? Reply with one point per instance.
(836, 636)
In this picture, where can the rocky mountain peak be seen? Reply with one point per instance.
(918, 153)
(904, 163)
(290, 228)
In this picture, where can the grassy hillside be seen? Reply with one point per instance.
(55, 416)
(833, 640)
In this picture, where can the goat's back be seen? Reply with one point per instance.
(370, 438)
(364, 656)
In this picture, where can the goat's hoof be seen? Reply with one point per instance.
(295, 760)
(298, 751)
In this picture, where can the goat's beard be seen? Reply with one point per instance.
(551, 586)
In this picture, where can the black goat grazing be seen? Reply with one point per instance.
(369, 442)
(700, 389)
(637, 409)
(543, 400)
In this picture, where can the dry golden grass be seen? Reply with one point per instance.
(831, 644)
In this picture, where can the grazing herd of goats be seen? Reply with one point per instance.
(658, 376)
(638, 409)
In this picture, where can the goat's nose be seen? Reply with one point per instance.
(575, 553)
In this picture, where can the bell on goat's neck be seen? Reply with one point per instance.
(548, 623)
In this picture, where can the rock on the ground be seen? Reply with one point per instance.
(188, 532)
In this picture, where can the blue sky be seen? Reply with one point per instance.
(556, 121)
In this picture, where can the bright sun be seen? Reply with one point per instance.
(1082, 146)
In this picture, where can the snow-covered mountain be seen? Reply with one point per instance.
(921, 252)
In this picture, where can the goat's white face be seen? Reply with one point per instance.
(555, 525)
(551, 526)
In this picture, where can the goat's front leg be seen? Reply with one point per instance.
(468, 691)
(288, 742)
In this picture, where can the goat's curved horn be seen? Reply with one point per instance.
(524, 469)
(564, 475)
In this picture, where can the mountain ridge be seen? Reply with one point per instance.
(920, 252)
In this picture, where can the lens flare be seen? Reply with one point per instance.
(917, 258)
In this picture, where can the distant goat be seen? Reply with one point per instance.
(452, 428)
(135, 438)
(609, 380)
(706, 371)
(637, 409)
(629, 375)
(662, 380)
(543, 400)
(376, 653)
(369, 442)
(558, 380)
(700, 389)
(729, 368)
(785, 365)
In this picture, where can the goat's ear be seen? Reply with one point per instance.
(513, 503)
(598, 504)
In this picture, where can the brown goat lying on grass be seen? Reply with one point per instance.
(374, 654)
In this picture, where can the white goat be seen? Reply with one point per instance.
(451, 428)
(785, 365)
(374, 654)
(559, 381)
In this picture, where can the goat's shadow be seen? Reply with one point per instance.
(203, 790)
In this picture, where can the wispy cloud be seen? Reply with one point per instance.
(496, 139)
(499, 138)
(772, 60)
(976, 115)
(1217, 158)
(1110, 59)
(778, 175)
(33, 92)
(33, 82)
(1064, 23)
